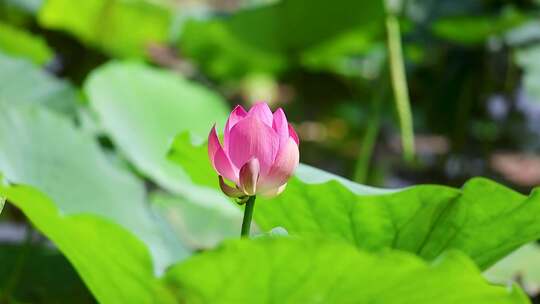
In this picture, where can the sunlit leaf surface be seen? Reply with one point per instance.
(283, 270)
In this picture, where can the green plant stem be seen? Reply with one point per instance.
(399, 85)
(248, 214)
(368, 141)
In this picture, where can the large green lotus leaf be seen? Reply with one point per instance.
(43, 149)
(522, 266)
(20, 43)
(143, 108)
(22, 82)
(281, 270)
(113, 263)
(269, 39)
(483, 219)
(123, 28)
(28, 269)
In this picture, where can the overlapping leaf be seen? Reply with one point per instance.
(143, 108)
(115, 265)
(117, 268)
(44, 150)
(294, 271)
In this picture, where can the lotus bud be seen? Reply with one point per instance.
(259, 152)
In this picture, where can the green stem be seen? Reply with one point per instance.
(248, 214)
(368, 142)
(399, 85)
(369, 139)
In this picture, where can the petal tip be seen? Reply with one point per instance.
(294, 135)
(239, 110)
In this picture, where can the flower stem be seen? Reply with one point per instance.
(248, 214)
(399, 84)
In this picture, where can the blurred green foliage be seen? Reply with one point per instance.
(121, 28)
(286, 35)
(15, 41)
(24, 83)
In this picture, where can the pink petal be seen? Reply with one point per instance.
(274, 191)
(224, 167)
(262, 112)
(293, 135)
(249, 175)
(236, 115)
(283, 167)
(251, 138)
(213, 144)
(279, 125)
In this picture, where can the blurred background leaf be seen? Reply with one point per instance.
(270, 39)
(123, 28)
(17, 42)
(143, 108)
(24, 83)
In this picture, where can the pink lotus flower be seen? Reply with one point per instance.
(259, 152)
